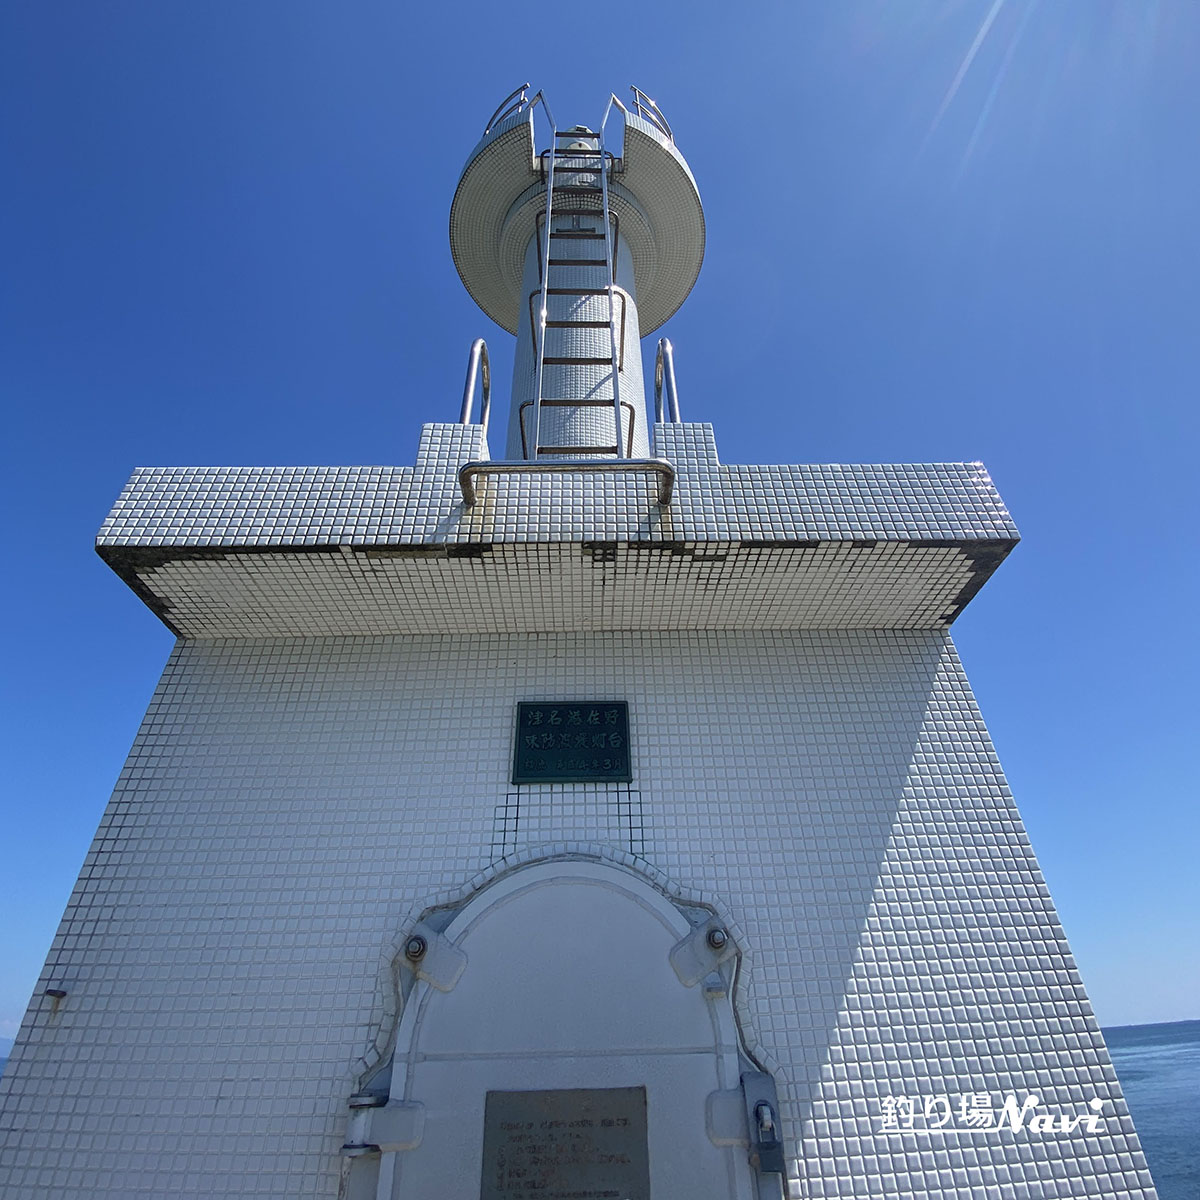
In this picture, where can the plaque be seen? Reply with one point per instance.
(576, 1144)
(577, 742)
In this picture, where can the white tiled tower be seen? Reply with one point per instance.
(768, 923)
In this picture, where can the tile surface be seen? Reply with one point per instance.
(291, 805)
(328, 755)
(309, 551)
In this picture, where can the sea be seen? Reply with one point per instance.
(1159, 1069)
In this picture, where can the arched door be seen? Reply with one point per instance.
(585, 1047)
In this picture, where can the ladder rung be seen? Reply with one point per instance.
(578, 404)
(579, 262)
(576, 235)
(576, 324)
(583, 362)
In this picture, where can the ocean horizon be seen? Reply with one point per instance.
(1159, 1069)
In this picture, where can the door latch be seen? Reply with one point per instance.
(762, 1118)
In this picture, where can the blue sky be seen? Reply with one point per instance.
(945, 230)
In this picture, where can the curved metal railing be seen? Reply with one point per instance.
(649, 111)
(477, 366)
(518, 100)
(664, 374)
(514, 102)
(609, 283)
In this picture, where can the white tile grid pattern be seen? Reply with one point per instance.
(663, 187)
(305, 506)
(504, 167)
(561, 588)
(882, 546)
(289, 805)
(539, 815)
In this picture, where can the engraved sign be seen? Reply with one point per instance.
(577, 742)
(574, 1144)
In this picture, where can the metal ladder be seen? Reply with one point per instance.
(577, 164)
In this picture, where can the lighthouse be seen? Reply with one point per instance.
(581, 818)
(579, 258)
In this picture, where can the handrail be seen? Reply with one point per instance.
(664, 370)
(513, 102)
(610, 255)
(479, 357)
(517, 101)
(649, 111)
(543, 314)
(660, 466)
